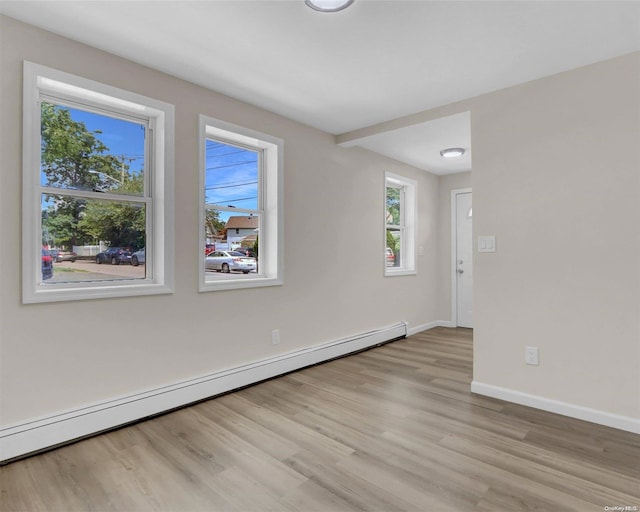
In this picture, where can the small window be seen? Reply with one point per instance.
(95, 160)
(400, 225)
(240, 216)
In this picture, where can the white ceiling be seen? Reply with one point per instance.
(420, 144)
(374, 62)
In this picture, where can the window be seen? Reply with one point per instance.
(400, 225)
(241, 207)
(97, 194)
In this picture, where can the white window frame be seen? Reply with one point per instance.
(408, 224)
(270, 204)
(44, 82)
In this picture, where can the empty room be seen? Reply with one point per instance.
(321, 255)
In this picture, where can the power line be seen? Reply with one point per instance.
(213, 168)
(233, 200)
(218, 155)
(232, 184)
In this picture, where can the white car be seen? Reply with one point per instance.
(138, 258)
(226, 261)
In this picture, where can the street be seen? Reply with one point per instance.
(89, 270)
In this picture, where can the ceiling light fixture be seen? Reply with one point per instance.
(452, 152)
(328, 5)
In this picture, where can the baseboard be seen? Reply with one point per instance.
(566, 409)
(40, 434)
(425, 327)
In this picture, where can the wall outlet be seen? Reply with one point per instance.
(275, 336)
(532, 355)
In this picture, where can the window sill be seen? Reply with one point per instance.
(238, 284)
(59, 294)
(400, 272)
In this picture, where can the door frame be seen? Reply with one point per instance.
(454, 251)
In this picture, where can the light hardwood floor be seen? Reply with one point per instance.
(394, 428)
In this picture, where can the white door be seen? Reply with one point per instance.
(464, 260)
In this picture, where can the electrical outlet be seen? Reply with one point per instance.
(275, 336)
(532, 355)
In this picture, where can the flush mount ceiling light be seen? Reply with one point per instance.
(452, 152)
(328, 5)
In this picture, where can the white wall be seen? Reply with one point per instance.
(549, 180)
(61, 356)
(556, 177)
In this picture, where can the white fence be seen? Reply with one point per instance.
(90, 250)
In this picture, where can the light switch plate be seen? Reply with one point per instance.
(487, 243)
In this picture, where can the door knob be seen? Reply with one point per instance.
(460, 271)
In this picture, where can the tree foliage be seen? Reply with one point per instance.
(392, 242)
(74, 158)
(121, 223)
(393, 217)
(393, 206)
(213, 225)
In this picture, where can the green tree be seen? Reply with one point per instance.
(72, 157)
(57, 227)
(121, 223)
(393, 206)
(393, 217)
(212, 223)
(392, 242)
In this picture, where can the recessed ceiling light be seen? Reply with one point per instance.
(452, 152)
(328, 5)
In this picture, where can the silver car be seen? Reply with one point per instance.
(226, 261)
(138, 258)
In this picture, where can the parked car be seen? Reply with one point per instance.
(47, 264)
(114, 255)
(391, 258)
(138, 257)
(60, 256)
(247, 251)
(209, 248)
(226, 261)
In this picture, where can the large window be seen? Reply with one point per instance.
(400, 225)
(97, 190)
(240, 215)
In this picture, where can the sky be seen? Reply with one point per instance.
(231, 177)
(231, 172)
(123, 138)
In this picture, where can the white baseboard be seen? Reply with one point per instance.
(425, 327)
(43, 433)
(566, 409)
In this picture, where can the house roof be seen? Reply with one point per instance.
(243, 222)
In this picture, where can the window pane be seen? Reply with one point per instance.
(394, 246)
(82, 150)
(393, 206)
(232, 245)
(231, 175)
(92, 240)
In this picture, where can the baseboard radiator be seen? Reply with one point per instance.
(40, 434)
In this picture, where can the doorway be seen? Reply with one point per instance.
(461, 258)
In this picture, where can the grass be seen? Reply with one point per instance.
(67, 269)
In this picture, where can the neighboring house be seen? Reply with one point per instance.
(239, 228)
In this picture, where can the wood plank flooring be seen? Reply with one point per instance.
(391, 429)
